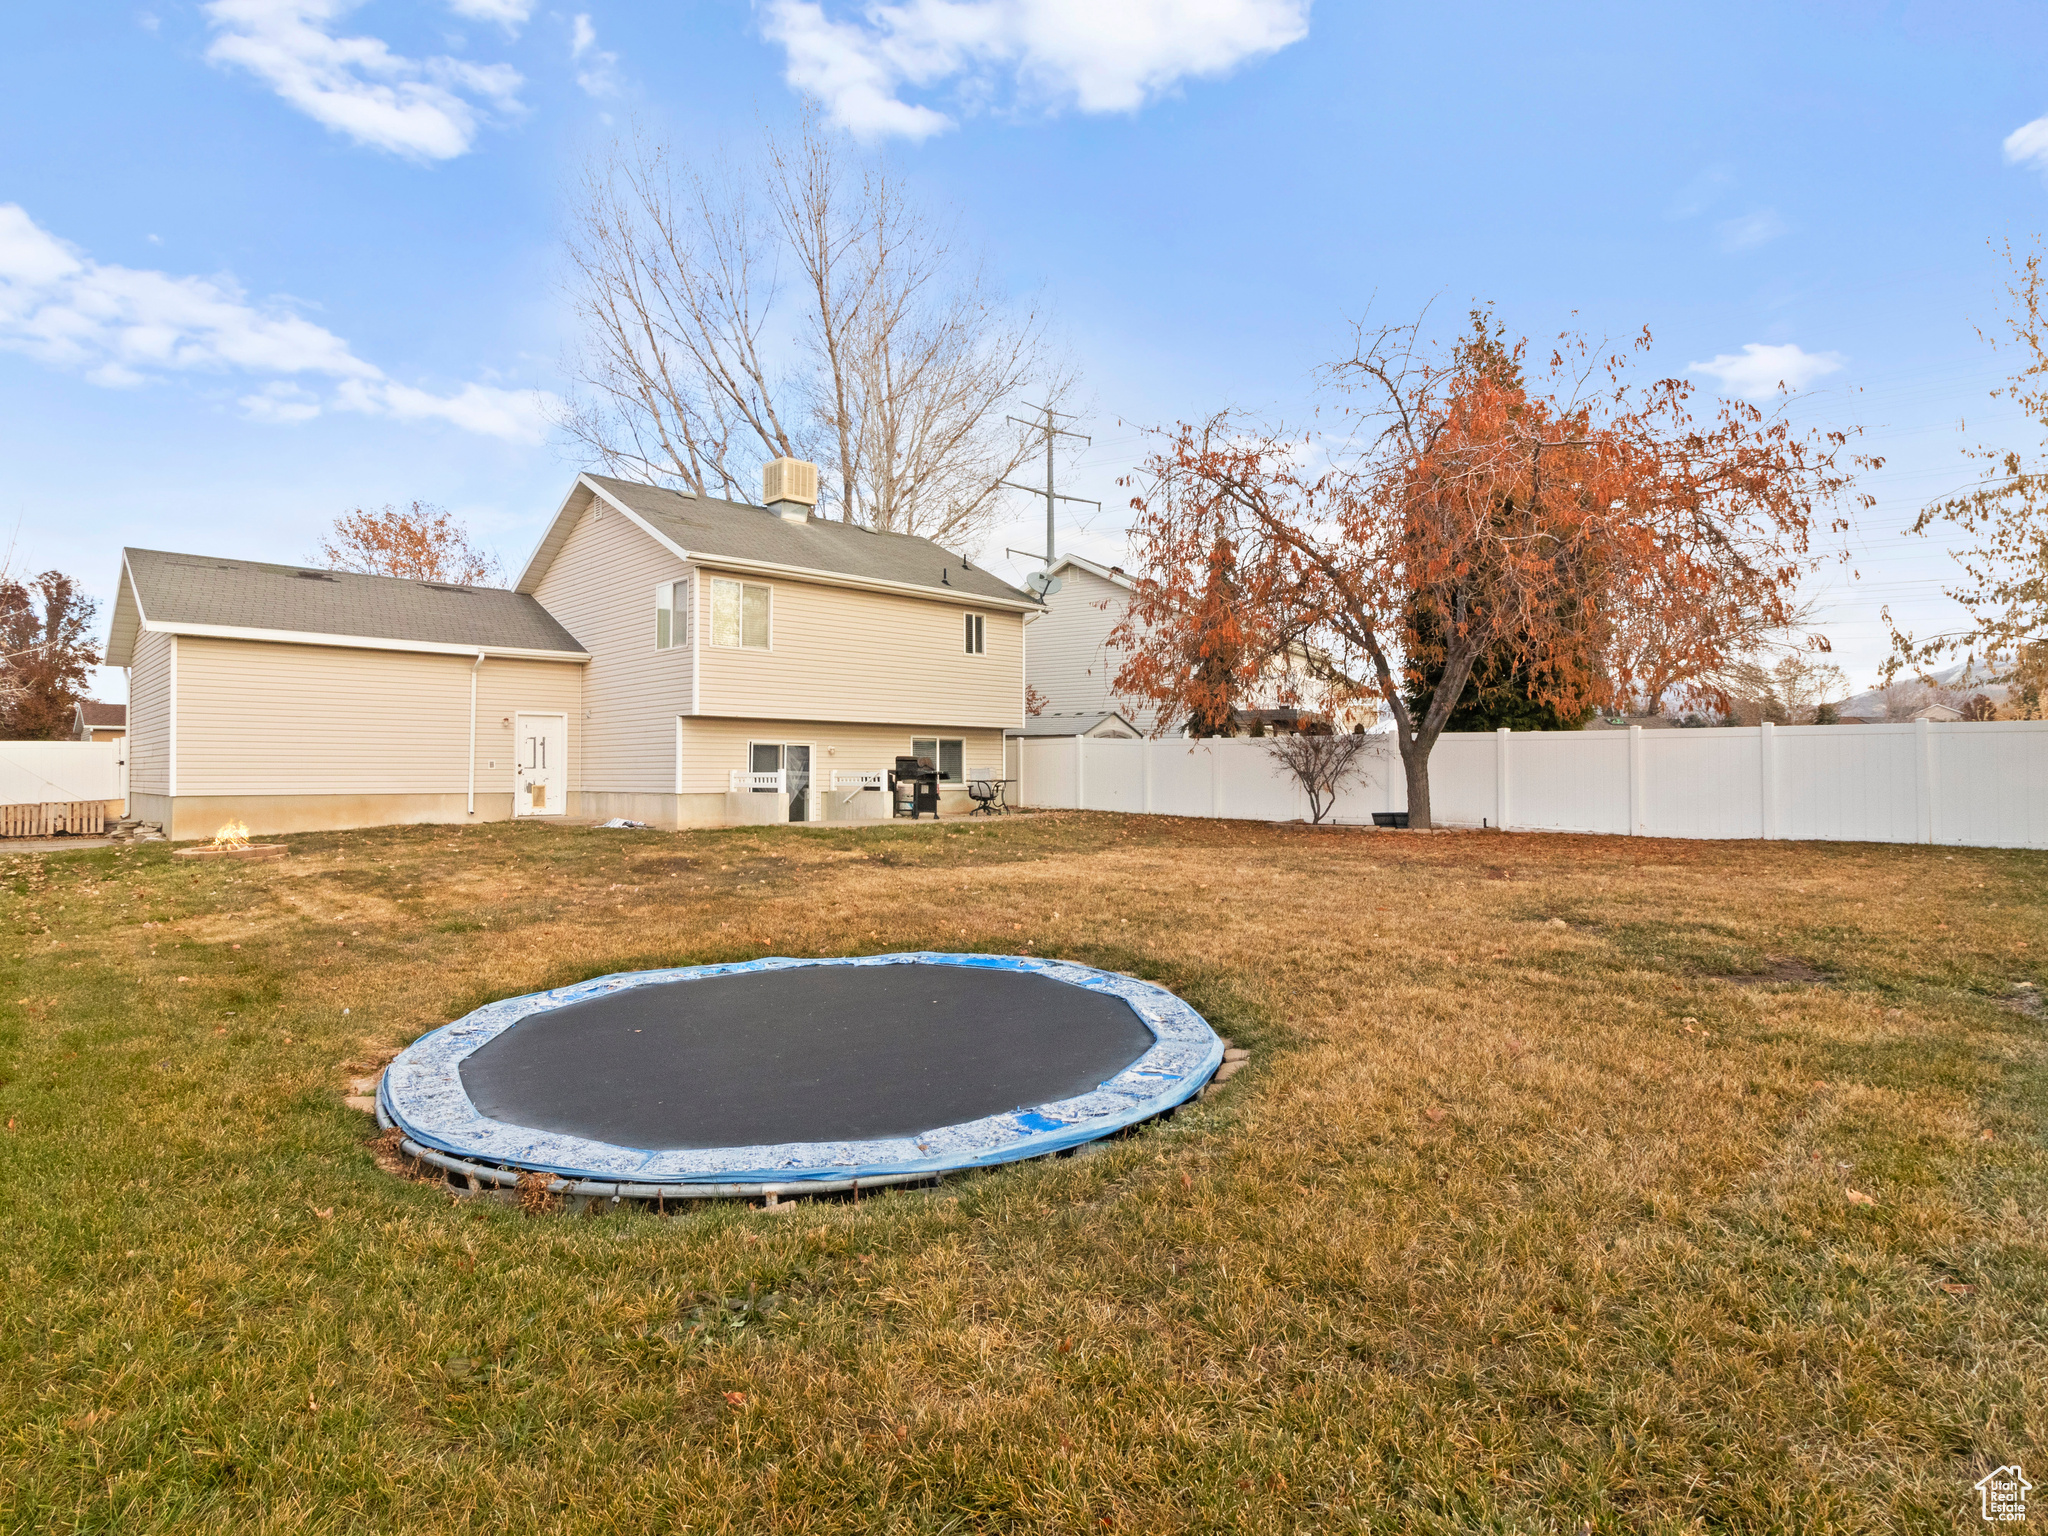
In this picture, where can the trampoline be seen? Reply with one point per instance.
(795, 1076)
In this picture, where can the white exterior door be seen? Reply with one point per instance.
(540, 779)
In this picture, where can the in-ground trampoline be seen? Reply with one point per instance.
(795, 1076)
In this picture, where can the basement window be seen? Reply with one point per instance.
(947, 754)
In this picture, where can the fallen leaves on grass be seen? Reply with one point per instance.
(1857, 1197)
(535, 1192)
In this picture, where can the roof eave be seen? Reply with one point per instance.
(127, 619)
(958, 595)
(364, 642)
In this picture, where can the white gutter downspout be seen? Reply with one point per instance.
(474, 668)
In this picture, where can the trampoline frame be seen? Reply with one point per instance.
(422, 1095)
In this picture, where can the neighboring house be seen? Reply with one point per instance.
(676, 660)
(1073, 666)
(1941, 714)
(1101, 723)
(295, 699)
(94, 721)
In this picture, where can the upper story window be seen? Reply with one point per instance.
(975, 634)
(740, 613)
(672, 627)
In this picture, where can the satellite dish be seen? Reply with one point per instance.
(1041, 584)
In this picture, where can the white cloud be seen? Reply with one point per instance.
(121, 327)
(1750, 231)
(1095, 55)
(597, 76)
(280, 402)
(516, 415)
(428, 109)
(1760, 370)
(2028, 145)
(509, 14)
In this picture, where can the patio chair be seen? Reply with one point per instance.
(985, 796)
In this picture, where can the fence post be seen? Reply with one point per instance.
(1923, 732)
(1080, 754)
(1500, 778)
(1767, 769)
(1145, 756)
(1636, 816)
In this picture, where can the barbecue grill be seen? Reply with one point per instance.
(914, 787)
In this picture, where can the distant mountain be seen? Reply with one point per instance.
(1965, 677)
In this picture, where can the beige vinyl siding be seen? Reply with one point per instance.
(868, 657)
(149, 714)
(601, 589)
(257, 718)
(713, 748)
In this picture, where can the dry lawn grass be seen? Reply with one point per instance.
(1553, 1198)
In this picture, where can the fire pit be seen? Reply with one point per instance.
(232, 842)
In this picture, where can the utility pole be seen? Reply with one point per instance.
(1052, 429)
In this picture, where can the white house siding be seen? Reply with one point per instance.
(298, 737)
(601, 588)
(149, 715)
(843, 654)
(1071, 662)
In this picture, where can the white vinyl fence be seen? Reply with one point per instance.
(1978, 784)
(37, 772)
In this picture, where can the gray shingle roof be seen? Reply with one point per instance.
(246, 594)
(711, 528)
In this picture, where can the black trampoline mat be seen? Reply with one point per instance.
(812, 1053)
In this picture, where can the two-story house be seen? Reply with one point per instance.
(676, 660)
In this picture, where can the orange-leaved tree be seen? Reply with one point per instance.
(419, 540)
(1540, 522)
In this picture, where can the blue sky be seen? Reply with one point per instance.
(262, 261)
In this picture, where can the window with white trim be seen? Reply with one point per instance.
(975, 634)
(740, 614)
(672, 615)
(947, 754)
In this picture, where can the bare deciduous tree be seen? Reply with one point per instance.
(808, 308)
(1790, 691)
(1323, 763)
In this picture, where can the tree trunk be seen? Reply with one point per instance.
(1415, 760)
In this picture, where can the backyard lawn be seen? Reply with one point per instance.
(1575, 1183)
